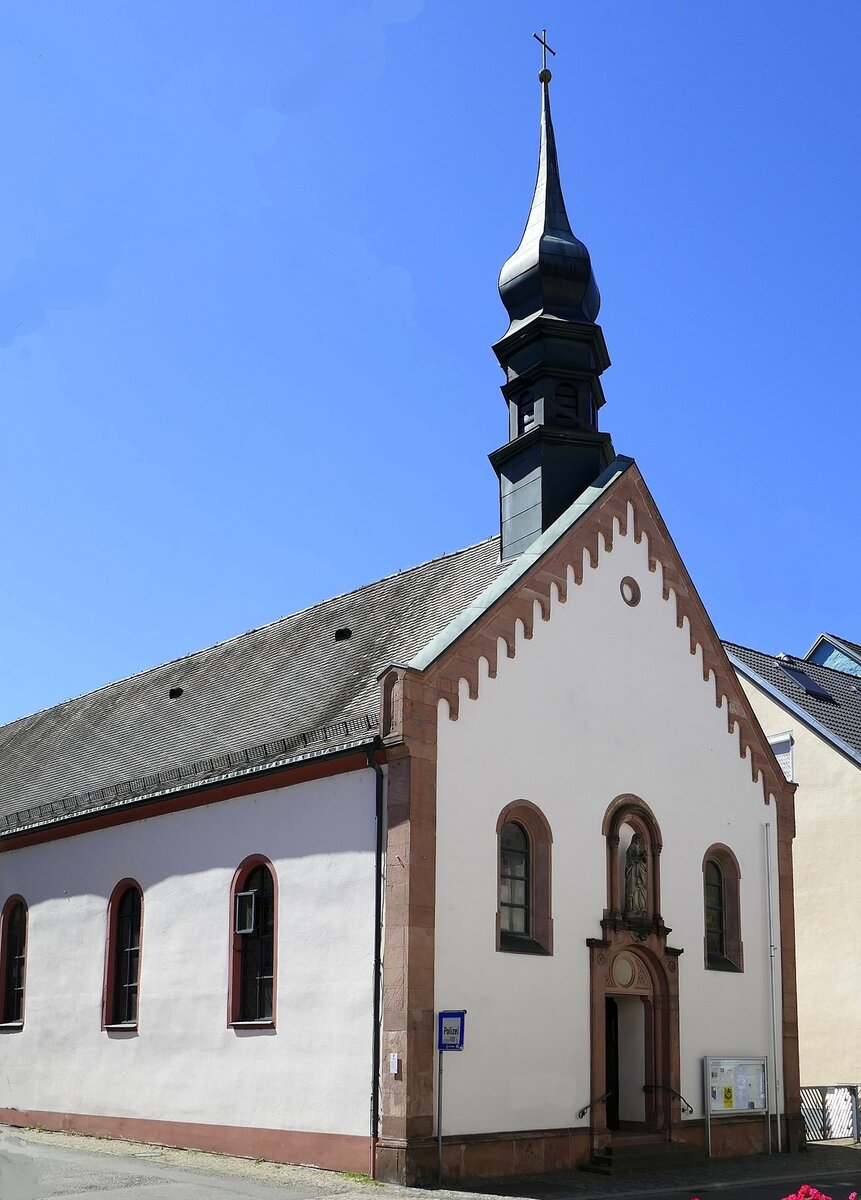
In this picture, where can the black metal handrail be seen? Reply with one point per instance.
(598, 1099)
(654, 1087)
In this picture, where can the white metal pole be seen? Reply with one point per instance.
(772, 950)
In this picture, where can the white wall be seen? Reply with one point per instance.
(827, 898)
(604, 700)
(312, 1073)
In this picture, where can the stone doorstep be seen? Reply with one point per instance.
(644, 1153)
(637, 1164)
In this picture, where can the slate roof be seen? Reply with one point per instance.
(839, 718)
(288, 689)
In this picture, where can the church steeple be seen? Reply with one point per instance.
(553, 354)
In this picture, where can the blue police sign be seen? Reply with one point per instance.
(450, 1030)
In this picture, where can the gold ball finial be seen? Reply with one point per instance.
(544, 76)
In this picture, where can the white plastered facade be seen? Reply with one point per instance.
(603, 700)
(827, 896)
(311, 1073)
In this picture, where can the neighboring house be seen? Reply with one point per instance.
(521, 780)
(831, 651)
(812, 715)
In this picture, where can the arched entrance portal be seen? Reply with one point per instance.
(633, 1074)
(634, 988)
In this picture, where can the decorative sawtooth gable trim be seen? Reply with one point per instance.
(627, 504)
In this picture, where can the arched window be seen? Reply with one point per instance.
(253, 904)
(722, 910)
(715, 939)
(13, 959)
(523, 918)
(125, 919)
(514, 880)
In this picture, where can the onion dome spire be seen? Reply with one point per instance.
(550, 271)
(553, 354)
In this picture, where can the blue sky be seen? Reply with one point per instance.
(248, 260)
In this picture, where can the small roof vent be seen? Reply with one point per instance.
(175, 693)
(343, 635)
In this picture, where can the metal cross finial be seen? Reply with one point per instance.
(544, 48)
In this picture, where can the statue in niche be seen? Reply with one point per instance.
(635, 878)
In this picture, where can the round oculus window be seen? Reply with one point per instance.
(630, 590)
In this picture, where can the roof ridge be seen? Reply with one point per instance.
(237, 636)
(741, 646)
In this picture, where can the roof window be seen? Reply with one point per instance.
(810, 686)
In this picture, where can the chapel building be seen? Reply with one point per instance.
(522, 780)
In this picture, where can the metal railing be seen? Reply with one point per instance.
(598, 1100)
(655, 1087)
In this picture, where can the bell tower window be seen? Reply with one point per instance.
(525, 415)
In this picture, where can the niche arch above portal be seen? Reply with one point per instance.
(626, 817)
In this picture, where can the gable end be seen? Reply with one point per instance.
(627, 503)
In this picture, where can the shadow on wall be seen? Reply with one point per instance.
(327, 820)
(19, 1174)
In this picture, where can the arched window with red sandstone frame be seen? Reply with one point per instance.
(123, 956)
(722, 910)
(524, 922)
(13, 960)
(254, 944)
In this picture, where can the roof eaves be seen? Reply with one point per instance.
(442, 641)
(82, 814)
(802, 714)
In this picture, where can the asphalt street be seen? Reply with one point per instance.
(36, 1165)
(837, 1187)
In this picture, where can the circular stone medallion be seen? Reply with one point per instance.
(623, 971)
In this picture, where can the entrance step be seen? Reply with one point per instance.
(622, 1138)
(631, 1154)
